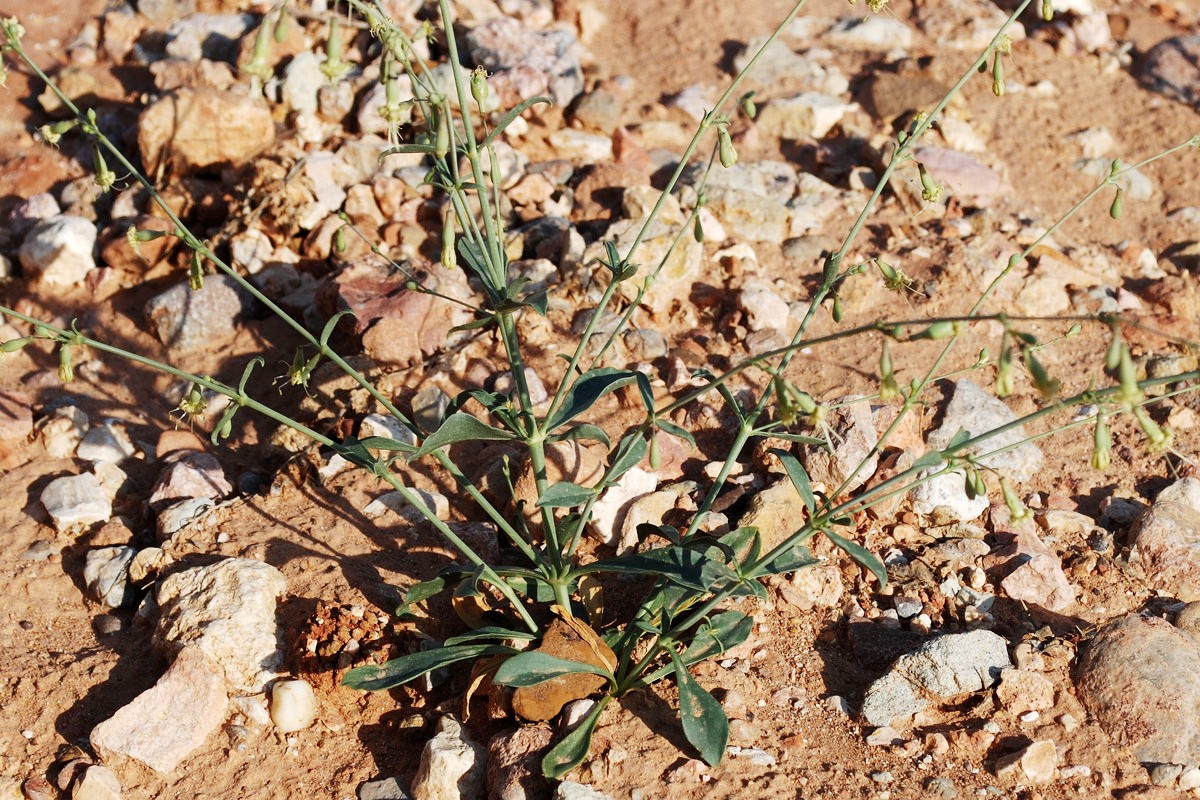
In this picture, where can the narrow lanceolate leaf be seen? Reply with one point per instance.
(679, 565)
(484, 634)
(461, 427)
(573, 748)
(704, 721)
(799, 477)
(718, 635)
(928, 461)
(419, 592)
(586, 390)
(406, 668)
(512, 114)
(584, 431)
(565, 495)
(674, 430)
(532, 667)
(629, 453)
(795, 557)
(860, 554)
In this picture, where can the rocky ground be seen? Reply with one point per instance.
(156, 586)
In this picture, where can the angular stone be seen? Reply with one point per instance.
(573, 642)
(854, 438)
(16, 417)
(58, 251)
(166, 723)
(514, 769)
(76, 501)
(1138, 677)
(1172, 67)
(190, 475)
(874, 32)
(382, 789)
(211, 36)
(1033, 764)
(96, 783)
(608, 514)
(105, 443)
(62, 431)
(452, 766)
(1021, 691)
(227, 610)
(961, 174)
(942, 668)
(764, 308)
(181, 130)
(777, 511)
(809, 115)
(525, 62)
(106, 576)
(1165, 540)
(188, 319)
(570, 790)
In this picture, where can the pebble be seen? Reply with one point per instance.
(177, 130)
(1165, 540)
(107, 624)
(943, 667)
(1137, 677)
(293, 705)
(942, 788)
(435, 502)
(387, 427)
(1034, 764)
(962, 175)
(570, 790)
(96, 783)
(75, 502)
(1165, 774)
(58, 251)
(382, 789)
(855, 437)
(190, 475)
(1136, 184)
(301, 82)
(227, 610)
(107, 443)
(63, 430)
(809, 115)
(884, 736)
(188, 320)
(610, 510)
(106, 576)
(32, 210)
(452, 766)
(874, 32)
(210, 36)
(525, 63)
(1189, 779)
(166, 723)
(1172, 68)
(514, 763)
(759, 300)
(882, 777)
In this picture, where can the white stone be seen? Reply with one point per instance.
(301, 81)
(106, 575)
(1135, 183)
(394, 501)
(764, 308)
(609, 511)
(76, 501)
(580, 146)
(452, 766)
(807, 115)
(58, 251)
(876, 32)
(106, 443)
(227, 609)
(96, 783)
(293, 705)
(327, 194)
(386, 426)
(569, 790)
(112, 478)
(63, 430)
(948, 491)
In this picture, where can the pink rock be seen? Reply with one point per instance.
(16, 418)
(1032, 572)
(1165, 540)
(190, 475)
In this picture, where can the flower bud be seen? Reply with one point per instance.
(13, 345)
(1112, 358)
(339, 240)
(1159, 438)
(479, 87)
(997, 76)
(1047, 10)
(725, 149)
(748, 106)
(1131, 393)
(1101, 445)
(1018, 511)
(655, 454)
(931, 190)
(942, 329)
(1047, 386)
(698, 231)
(66, 373)
(1118, 204)
(1004, 377)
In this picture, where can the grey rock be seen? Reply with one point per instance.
(854, 438)
(75, 502)
(190, 475)
(58, 251)
(170, 720)
(186, 319)
(942, 788)
(387, 427)
(211, 36)
(452, 766)
(1172, 67)
(429, 407)
(763, 307)
(646, 344)
(63, 430)
(382, 789)
(227, 610)
(1190, 779)
(514, 769)
(180, 515)
(105, 443)
(809, 115)
(31, 211)
(570, 790)
(106, 576)
(598, 110)
(523, 60)
(1165, 540)
(1165, 774)
(940, 669)
(96, 783)
(1138, 678)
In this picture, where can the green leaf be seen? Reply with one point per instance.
(420, 592)
(646, 391)
(742, 544)
(722, 390)
(629, 453)
(584, 431)
(424, 149)
(796, 437)
(490, 632)
(704, 721)
(386, 443)
(406, 668)
(512, 114)
(790, 560)
(586, 390)
(680, 565)
(796, 472)
(573, 748)
(928, 461)
(718, 635)
(533, 667)
(676, 431)
(474, 325)
(461, 427)
(356, 453)
(860, 554)
(565, 495)
(956, 441)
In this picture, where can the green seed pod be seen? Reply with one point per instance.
(1118, 204)
(105, 178)
(196, 273)
(281, 25)
(655, 455)
(997, 76)
(479, 86)
(441, 144)
(1047, 10)
(748, 106)
(888, 388)
(1074, 330)
(725, 149)
(1112, 358)
(974, 483)
(942, 329)
(1048, 387)
(1131, 393)
(66, 373)
(410, 286)
(931, 190)
(698, 231)
(339, 240)
(804, 401)
(837, 312)
(1101, 445)
(13, 345)
(1004, 373)
(449, 255)
(1018, 510)
(1159, 438)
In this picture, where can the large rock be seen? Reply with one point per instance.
(197, 128)
(942, 668)
(1138, 677)
(1172, 67)
(188, 319)
(526, 63)
(452, 766)
(58, 251)
(75, 502)
(1165, 540)
(167, 722)
(227, 610)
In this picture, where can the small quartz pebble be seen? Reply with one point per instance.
(293, 705)
(75, 502)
